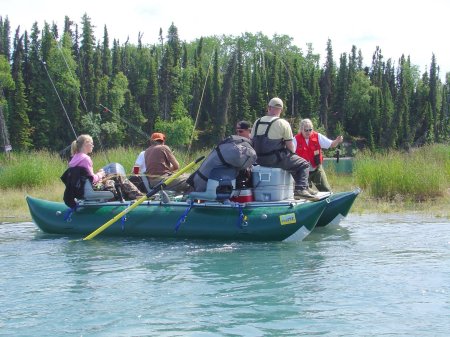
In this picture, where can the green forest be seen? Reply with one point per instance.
(59, 82)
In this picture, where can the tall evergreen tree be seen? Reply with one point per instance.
(170, 73)
(87, 75)
(62, 100)
(434, 78)
(388, 138)
(20, 127)
(225, 98)
(342, 84)
(6, 84)
(5, 40)
(38, 90)
(327, 87)
(241, 108)
(445, 110)
(116, 58)
(257, 102)
(106, 55)
(216, 85)
(403, 105)
(151, 109)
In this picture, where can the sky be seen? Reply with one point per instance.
(414, 28)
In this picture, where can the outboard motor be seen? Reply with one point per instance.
(114, 168)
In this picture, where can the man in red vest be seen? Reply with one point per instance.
(309, 145)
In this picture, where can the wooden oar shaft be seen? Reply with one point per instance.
(142, 199)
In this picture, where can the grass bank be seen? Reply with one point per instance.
(418, 181)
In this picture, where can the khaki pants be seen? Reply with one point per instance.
(319, 179)
(179, 185)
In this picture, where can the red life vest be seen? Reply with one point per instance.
(308, 151)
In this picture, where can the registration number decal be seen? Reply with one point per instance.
(287, 219)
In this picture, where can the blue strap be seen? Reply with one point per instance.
(242, 220)
(183, 216)
(124, 218)
(68, 214)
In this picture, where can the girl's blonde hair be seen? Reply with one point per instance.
(78, 143)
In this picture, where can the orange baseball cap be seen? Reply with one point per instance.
(158, 136)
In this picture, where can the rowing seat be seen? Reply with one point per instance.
(220, 185)
(96, 196)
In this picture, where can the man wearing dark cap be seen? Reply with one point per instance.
(272, 140)
(243, 129)
(160, 162)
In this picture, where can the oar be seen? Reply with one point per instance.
(155, 190)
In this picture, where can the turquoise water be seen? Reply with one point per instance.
(375, 275)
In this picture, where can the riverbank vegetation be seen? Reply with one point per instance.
(418, 180)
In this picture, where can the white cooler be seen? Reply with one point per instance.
(272, 184)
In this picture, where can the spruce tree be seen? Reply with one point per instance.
(225, 98)
(106, 55)
(87, 75)
(20, 128)
(327, 84)
(38, 91)
(5, 41)
(6, 84)
(242, 108)
(434, 78)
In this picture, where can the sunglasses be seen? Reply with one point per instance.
(308, 130)
(240, 130)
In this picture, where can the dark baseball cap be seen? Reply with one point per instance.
(245, 125)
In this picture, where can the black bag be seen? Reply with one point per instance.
(74, 178)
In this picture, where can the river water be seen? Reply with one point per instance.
(373, 275)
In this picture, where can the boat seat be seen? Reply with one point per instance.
(98, 196)
(220, 185)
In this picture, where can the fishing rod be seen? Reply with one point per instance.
(200, 103)
(89, 113)
(288, 73)
(139, 130)
(59, 97)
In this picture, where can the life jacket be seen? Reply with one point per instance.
(263, 145)
(235, 152)
(312, 151)
(74, 178)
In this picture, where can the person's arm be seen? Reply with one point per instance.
(287, 135)
(337, 141)
(172, 160)
(289, 145)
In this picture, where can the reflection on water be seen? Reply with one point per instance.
(372, 275)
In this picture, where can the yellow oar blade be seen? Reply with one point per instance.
(142, 199)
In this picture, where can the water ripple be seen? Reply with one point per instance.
(371, 276)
